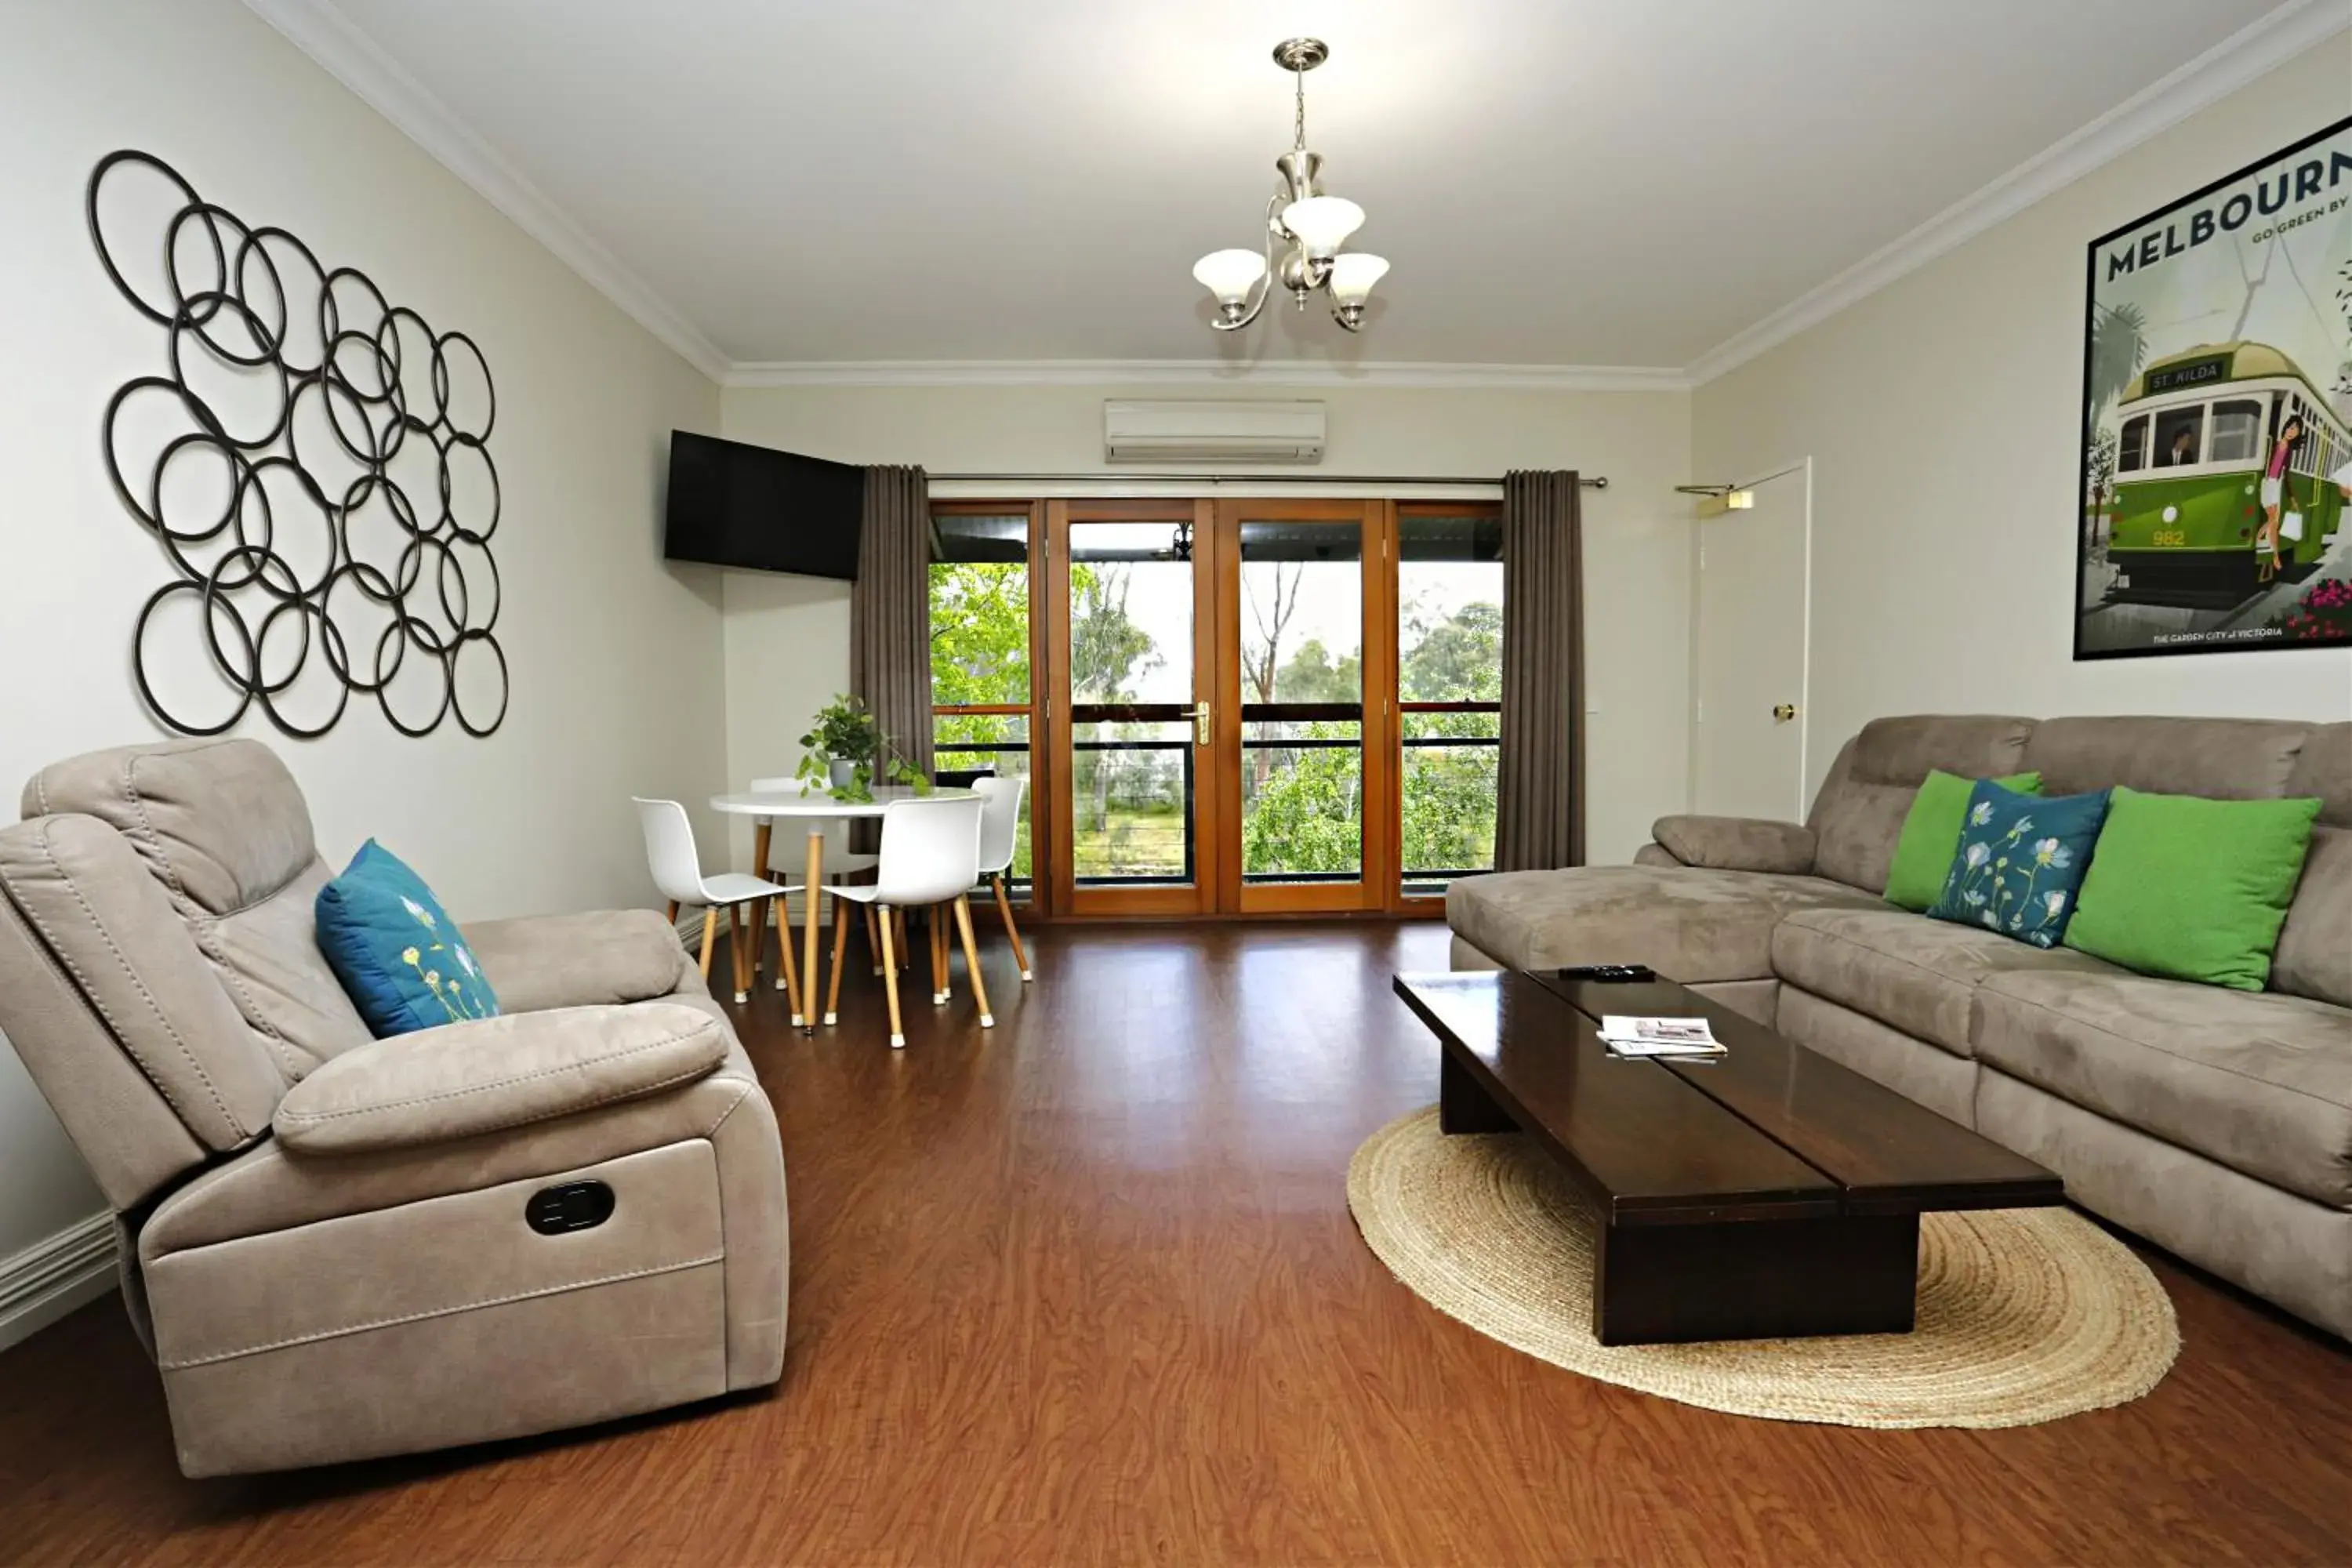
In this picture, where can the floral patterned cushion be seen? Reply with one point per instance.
(397, 953)
(2021, 862)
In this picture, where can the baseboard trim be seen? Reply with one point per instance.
(51, 1278)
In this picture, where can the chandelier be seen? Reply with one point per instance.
(1310, 227)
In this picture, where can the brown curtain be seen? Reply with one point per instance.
(891, 614)
(1540, 809)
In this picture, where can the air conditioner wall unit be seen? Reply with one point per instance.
(1201, 431)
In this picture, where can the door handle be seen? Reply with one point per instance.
(1199, 723)
(1784, 712)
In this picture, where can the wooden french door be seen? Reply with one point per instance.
(1219, 715)
(1130, 601)
(1307, 646)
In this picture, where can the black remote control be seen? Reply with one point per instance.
(1608, 974)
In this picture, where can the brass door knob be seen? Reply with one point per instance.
(1784, 712)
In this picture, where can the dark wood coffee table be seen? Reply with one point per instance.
(1770, 1193)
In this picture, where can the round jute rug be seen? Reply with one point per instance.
(2025, 1315)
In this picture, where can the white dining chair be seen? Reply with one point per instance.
(839, 863)
(930, 856)
(1000, 835)
(676, 870)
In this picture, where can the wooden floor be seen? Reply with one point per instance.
(1084, 1288)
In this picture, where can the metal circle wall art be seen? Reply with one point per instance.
(315, 462)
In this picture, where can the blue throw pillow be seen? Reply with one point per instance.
(2020, 861)
(396, 951)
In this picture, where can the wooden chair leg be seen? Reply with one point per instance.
(739, 951)
(710, 933)
(673, 911)
(972, 960)
(788, 975)
(890, 983)
(760, 837)
(840, 941)
(935, 927)
(873, 940)
(1004, 908)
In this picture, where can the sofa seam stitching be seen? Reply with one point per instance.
(703, 1262)
(147, 824)
(555, 1113)
(206, 933)
(713, 1130)
(236, 1124)
(313, 1118)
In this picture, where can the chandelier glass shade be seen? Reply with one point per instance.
(1304, 223)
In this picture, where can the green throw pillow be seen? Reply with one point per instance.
(2191, 888)
(1931, 835)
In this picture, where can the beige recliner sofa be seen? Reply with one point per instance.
(337, 1247)
(2216, 1124)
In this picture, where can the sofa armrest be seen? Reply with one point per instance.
(1736, 843)
(577, 961)
(461, 1080)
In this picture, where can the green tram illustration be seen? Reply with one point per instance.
(2190, 508)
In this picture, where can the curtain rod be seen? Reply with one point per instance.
(1599, 482)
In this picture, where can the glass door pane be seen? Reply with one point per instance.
(980, 658)
(1298, 590)
(1129, 626)
(1449, 690)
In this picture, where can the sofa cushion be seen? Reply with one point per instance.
(221, 824)
(1689, 924)
(1736, 843)
(268, 957)
(571, 961)
(2224, 759)
(2260, 1082)
(1931, 835)
(1858, 816)
(1904, 970)
(396, 951)
(2022, 858)
(2315, 948)
(2193, 888)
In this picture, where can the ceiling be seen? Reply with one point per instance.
(1554, 183)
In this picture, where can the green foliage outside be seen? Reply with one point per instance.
(1304, 810)
(1304, 807)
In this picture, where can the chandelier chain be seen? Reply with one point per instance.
(1298, 124)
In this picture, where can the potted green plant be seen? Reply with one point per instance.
(846, 749)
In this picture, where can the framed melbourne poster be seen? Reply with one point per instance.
(2217, 392)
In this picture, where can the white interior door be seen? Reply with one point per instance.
(1748, 718)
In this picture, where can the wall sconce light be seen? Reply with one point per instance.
(1716, 499)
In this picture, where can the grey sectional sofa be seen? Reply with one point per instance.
(2216, 1124)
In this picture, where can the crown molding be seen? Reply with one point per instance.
(2247, 55)
(323, 33)
(1204, 372)
(353, 58)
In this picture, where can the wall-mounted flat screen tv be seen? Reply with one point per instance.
(732, 504)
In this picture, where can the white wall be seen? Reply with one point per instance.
(787, 639)
(1941, 414)
(614, 658)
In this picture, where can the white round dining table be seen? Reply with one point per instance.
(817, 808)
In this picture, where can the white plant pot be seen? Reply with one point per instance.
(842, 772)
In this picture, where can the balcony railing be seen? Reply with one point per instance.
(1180, 782)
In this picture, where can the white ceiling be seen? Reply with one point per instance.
(1555, 183)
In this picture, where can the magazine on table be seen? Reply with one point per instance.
(1631, 1035)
